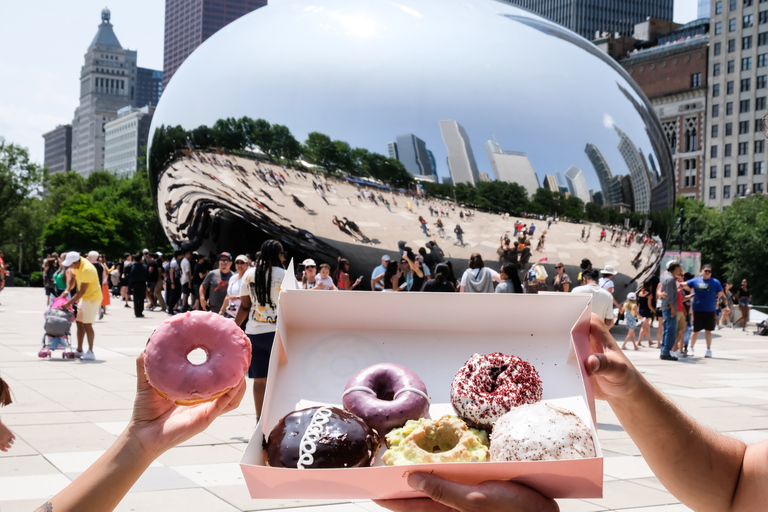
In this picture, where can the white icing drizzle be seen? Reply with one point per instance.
(402, 390)
(308, 444)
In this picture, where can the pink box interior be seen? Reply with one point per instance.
(323, 338)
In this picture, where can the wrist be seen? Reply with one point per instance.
(133, 450)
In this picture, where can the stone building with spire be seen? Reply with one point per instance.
(107, 84)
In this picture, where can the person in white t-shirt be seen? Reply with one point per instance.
(602, 301)
(324, 281)
(259, 291)
(309, 276)
(186, 280)
(232, 302)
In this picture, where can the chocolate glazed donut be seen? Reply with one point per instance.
(386, 395)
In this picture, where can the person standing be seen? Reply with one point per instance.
(459, 235)
(172, 282)
(158, 291)
(706, 290)
(101, 270)
(89, 290)
(309, 275)
(151, 280)
(232, 302)
(442, 280)
(562, 280)
(607, 284)
(259, 293)
(137, 283)
(478, 278)
(186, 279)
(669, 308)
(602, 301)
(378, 271)
(216, 284)
(199, 271)
(743, 295)
(125, 270)
(510, 279)
(341, 276)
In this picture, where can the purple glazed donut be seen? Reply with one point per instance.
(386, 395)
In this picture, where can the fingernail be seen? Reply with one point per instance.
(594, 364)
(417, 481)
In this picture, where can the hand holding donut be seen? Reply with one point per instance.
(612, 374)
(159, 424)
(493, 496)
(6, 437)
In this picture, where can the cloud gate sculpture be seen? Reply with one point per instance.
(382, 93)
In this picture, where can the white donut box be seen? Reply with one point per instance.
(323, 338)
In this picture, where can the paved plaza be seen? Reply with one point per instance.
(66, 413)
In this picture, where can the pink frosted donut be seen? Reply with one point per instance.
(386, 395)
(173, 376)
(489, 386)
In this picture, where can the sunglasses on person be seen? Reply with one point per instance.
(706, 271)
(558, 266)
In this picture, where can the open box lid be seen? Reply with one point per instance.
(324, 338)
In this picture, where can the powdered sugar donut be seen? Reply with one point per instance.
(541, 431)
(173, 376)
(489, 386)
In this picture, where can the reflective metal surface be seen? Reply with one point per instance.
(461, 87)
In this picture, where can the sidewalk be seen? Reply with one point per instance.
(66, 413)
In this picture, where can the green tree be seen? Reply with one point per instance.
(202, 137)
(228, 134)
(285, 144)
(83, 225)
(19, 178)
(574, 207)
(261, 135)
(320, 150)
(166, 141)
(595, 213)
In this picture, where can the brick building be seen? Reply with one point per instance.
(673, 74)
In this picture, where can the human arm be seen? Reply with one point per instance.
(413, 266)
(244, 309)
(155, 426)
(203, 302)
(704, 470)
(80, 292)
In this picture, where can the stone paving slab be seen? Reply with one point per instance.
(66, 413)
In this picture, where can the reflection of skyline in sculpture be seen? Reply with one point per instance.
(512, 167)
(461, 160)
(610, 185)
(550, 183)
(577, 185)
(412, 152)
(638, 171)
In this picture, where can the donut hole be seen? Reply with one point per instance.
(197, 356)
(494, 374)
(443, 439)
(383, 390)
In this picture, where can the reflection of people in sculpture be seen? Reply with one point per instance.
(266, 195)
(298, 202)
(340, 224)
(356, 229)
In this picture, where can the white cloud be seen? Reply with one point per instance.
(409, 10)
(607, 121)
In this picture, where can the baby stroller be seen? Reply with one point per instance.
(58, 322)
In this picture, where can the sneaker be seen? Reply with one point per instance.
(667, 357)
(77, 353)
(690, 352)
(101, 313)
(88, 356)
(708, 353)
(685, 352)
(719, 326)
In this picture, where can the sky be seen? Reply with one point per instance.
(43, 43)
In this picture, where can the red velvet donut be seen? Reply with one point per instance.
(489, 386)
(385, 396)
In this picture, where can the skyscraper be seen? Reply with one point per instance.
(609, 184)
(588, 17)
(107, 84)
(577, 184)
(190, 22)
(512, 167)
(124, 138)
(412, 153)
(702, 10)
(149, 87)
(392, 150)
(550, 183)
(58, 149)
(638, 172)
(461, 160)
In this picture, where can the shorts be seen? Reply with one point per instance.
(87, 311)
(659, 313)
(185, 288)
(262, 348)
(681, 323)
(744, 303)
(704, 321)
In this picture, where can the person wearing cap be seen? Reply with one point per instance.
(93, 258)
(602, 301)
(89, 290)
(630, 315)
(706, 290)
(378, 271)
(309, 275)
(232, 301)
(216, 283)
(606, 283)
